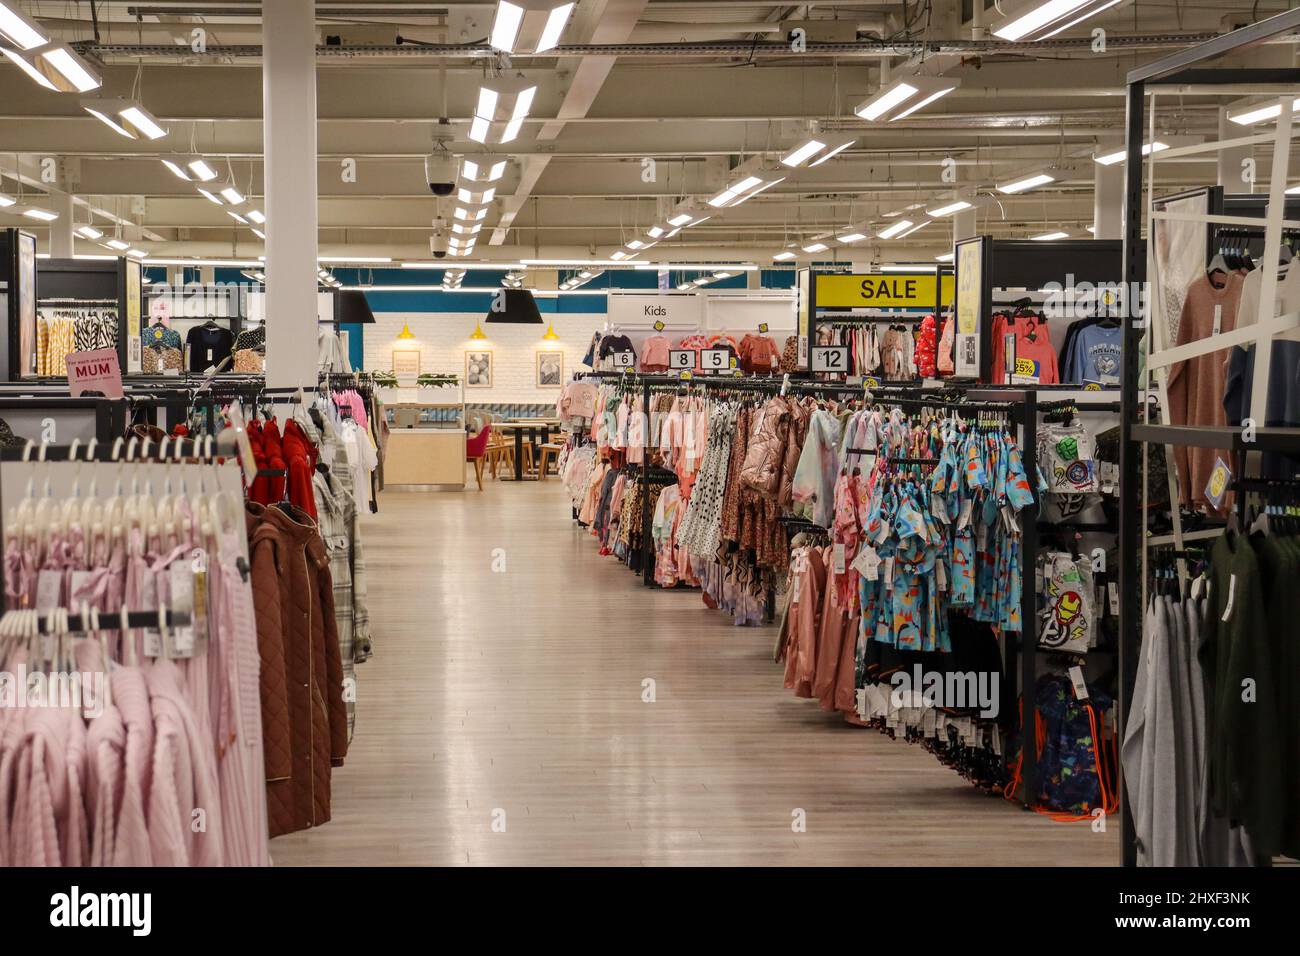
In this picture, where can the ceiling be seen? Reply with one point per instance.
(657, 101)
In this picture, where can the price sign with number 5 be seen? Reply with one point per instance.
(715, 359)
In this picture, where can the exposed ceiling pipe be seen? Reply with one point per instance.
(760, 49)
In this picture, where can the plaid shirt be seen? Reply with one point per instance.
(337, 519)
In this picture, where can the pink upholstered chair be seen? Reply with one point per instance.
(476, 450)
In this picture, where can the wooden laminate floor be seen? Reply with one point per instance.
(501, 721)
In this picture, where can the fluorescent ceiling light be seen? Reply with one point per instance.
(117, 244)
(832, 152)
(816, 247)
(260, 234)
(202, 171)
(141, 119)
(731, 192)
(44, 215)
(503, 104)
(944, 257)
(948, 209)
(236, 216)
(681, 219)
(216, 263)
(1050, 236)
(89, 232)
(924, 102)
(1117, 156)
(1257, 114)
(849, 237)
(1024, 183)
(460, 227)
(894, 228)
(908, 267)
(56, 67)
(178, 171)
(656, 232)
(482, 169)
(884, 101)
(19, 30)
(801, 154)
(470, 215)
(914, 92)
(357, 259)
(209, 196)
(137, 253)
(232, 195)
(126, 118)
(784, 255)
(529, 26)
(6, 201)
(920, 225)
(255, 215)
(478, 198)
(1045, 18)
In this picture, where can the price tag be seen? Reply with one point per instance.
(1080, 686)
(659, 325)
(837, 557)
(830, 358)
(1218, 320)
(681, 359)
(715, 360)
(867, 563)
(870, 381)
(1217, 487)
(762, 327)
(624, 359)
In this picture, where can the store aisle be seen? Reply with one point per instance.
(520, 690)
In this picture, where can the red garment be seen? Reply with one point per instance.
(268, 452)
(300, 456)
(927, 346)
(1033, 343)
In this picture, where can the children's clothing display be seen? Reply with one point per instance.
(1093, 356)
(1022, 352)
(654, 354)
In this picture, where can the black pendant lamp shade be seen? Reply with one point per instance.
(514, 306)
(352, 308)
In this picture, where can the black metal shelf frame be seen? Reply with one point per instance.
(1183, 68)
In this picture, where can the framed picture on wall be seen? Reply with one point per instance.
(406, 361)
(478, 368)
(550, 369)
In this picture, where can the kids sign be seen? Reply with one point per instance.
(890, 290)
(95, 371)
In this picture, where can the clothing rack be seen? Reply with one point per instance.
(73, 300)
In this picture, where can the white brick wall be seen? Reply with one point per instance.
(443, 337)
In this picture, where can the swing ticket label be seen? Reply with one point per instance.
(95, 371)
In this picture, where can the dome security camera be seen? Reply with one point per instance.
(440, 173)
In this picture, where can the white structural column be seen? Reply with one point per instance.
(289, 142)
(61, 228)
(1108, 201)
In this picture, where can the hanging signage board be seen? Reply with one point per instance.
(969, 307)
(830, 358)
(643, 311)
(623, 359)
(95, 371)
(888, 290)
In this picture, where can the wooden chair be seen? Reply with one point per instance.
(550, 452)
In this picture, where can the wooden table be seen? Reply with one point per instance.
(533, 428)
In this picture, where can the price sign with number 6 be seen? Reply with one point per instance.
(624, 359)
